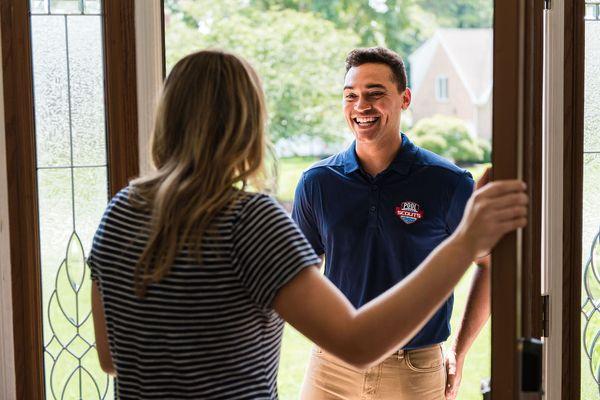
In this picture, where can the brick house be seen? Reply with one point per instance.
(451, 74)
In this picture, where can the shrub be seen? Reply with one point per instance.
(450, 138)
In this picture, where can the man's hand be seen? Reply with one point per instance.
(454, 369)
(476, 313)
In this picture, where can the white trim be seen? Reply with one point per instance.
(552, 201)
(149, 56)
(7, 360)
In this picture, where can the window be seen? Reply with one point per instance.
(441, 88)
(590, 373)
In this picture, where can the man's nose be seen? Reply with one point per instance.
(362, 105)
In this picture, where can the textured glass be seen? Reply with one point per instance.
(51, 91)
(590, 356)
(592, 87)
(56, 225)
(66, 6)
(590, 343)
(590, 11)
(87, 89)
(91, 195)
(38, 6)
(92, 6)
(70, 132)
(74, 371)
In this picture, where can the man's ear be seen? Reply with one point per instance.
(406, 98)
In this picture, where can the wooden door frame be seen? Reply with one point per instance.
(517, 150)
(121, 122)
(574, 53)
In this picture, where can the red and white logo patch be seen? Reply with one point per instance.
(409, 212)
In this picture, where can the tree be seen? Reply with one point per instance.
(303, 83)
(401, 25)
(461, 13)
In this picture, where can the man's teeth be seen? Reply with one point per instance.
(366, 120)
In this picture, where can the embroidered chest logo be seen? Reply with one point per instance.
(409, 212)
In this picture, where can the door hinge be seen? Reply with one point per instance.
(545, 315)
(547, 4)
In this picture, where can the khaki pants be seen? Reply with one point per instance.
(407, 375)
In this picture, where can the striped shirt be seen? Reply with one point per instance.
(206, 331)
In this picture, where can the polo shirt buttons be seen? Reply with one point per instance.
(374, 187)
(373, 208)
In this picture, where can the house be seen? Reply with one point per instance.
(451, 74)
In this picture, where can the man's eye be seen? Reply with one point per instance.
(376, 94)
(350, 96)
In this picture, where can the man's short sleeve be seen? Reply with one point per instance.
(269, 249)
(302, 213)
(461, 194)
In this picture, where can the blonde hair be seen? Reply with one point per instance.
(208, 144)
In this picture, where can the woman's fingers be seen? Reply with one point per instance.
(510, 213)
(500, 188)
(506, 227)
(509, 200)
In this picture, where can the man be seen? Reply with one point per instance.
(375, 211)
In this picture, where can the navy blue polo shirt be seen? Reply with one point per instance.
(374, 231)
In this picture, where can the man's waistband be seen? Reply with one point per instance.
(402, 352)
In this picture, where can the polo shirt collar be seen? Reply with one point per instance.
(401, 163)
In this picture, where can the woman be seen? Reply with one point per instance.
(193, 276)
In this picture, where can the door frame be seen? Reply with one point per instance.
(517, 153)
(574, 57)
(23, 201)
(26, 345)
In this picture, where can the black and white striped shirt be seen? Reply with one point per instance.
(205, 331)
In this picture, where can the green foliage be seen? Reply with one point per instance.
(486, 146)
(401, 25)
(461, 13)
(302, 81)
(298, 48)
(448, 137)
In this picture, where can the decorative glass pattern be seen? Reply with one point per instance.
(72, 186)
(590, 352)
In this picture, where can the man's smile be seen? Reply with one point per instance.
(365, 122)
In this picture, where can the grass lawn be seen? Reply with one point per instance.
(296, 349)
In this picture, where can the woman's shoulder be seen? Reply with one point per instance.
(126, 205)
(250, 202)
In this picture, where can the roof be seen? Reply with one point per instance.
(471, 53)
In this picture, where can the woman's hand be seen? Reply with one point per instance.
(493, 210)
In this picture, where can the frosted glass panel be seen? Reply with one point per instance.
(56, 223)
(70, 133)
(38, 6)
(92, 6)
(590, 337)
(592, 86)
(51, 90)
(87, 90)
(91, 195)
(66, 6)
(590, 357)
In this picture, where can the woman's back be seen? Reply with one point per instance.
(205, 330)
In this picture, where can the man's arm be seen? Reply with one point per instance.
(477, 311)
(476, 314)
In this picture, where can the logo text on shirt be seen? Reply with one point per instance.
(409, 212)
